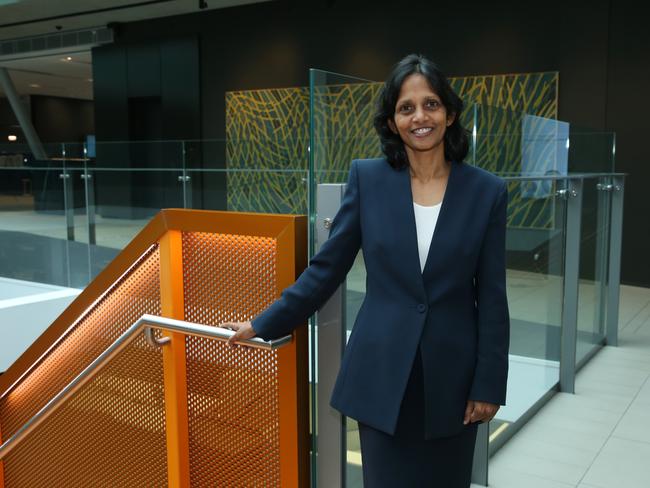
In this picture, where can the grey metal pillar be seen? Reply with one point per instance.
(330, 343)
(25, 122)
(614, 274)
(602, 251)
(573, 195)
(481, 455)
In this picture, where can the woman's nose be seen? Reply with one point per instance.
(419, 114)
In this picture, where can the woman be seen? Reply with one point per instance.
(428, 356)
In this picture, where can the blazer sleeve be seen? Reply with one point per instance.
(326, 270)
(491, 373)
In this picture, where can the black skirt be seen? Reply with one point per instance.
(407, 459)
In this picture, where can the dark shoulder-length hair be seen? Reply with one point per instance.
(456, 139)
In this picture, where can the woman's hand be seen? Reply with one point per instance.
(243, 331)
(479, 411)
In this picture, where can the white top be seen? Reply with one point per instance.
(425, 223)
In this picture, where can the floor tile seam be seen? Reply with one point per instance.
(574, 415)
(578, 404)
(531, 453)
(609, 385)
(604, 388)
(641, 311)
(570, 446)
(643, 324)
(611, 433)
(597, 409)
(634, 316)
(629, 439)
(598, 432)
(588, 390)
(613, 417)
(543, 478)
(619, 361)
(623, 357)
(638, 364)
(602, 396)
(611, 379)
(516, 469)
(554, 443)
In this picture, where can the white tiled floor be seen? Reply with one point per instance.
(599, 437)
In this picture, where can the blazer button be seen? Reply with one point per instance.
(422, 307)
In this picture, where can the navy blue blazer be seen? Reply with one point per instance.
(455, 310)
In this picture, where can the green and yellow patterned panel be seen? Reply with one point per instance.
(343, 128)
(266, 150)
(268, 136)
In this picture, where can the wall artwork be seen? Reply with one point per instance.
(268, 135)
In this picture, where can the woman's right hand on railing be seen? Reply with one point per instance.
(243, 331)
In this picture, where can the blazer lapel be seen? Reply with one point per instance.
(446, 212)
(405, 224)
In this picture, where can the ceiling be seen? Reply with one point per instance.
(55, 75)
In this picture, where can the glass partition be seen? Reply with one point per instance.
(341, 111)
(536, 231)
(591, 151)
(79, 209)
(516, 143)
(33, 230)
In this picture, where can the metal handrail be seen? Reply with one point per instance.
(146, 322)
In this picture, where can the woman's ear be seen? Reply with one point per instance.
(392, 126)
(450, 119)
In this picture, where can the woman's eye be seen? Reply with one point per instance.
(405, 108)
(433, 103)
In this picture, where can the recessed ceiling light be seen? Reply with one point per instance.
(89, 79)
(12, 138)
(34, 85)
(67, 58)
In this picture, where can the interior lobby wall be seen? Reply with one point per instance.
(58, 119)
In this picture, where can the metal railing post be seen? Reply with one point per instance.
(186, 181)
(614, 272)
(330, 343)
(573, 194)
(89, 188)
(481, 455)
(602, 252)
(68, 198)
(174, 361)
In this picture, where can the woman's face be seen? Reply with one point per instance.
(420, 117)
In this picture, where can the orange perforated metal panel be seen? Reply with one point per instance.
(227, 277)
(134, 294)
(243, 410)
(110, 433)
(233, 396)
(233, 415)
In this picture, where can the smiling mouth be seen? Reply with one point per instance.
(422, 131)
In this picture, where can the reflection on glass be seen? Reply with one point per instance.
(535, 281)
(513, 143)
